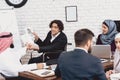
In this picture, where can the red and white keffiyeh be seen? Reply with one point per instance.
(6, 39)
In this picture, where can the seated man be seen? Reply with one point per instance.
(79, 64)
(10, 59)
(55, 41)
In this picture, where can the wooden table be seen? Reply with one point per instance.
(108, 65)
(36, 77)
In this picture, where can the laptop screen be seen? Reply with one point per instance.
(101, 51)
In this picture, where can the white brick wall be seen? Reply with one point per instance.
(38, 14)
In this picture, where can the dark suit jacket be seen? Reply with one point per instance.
(113, 47)
(58, 43)
(79, 65)
(53, 48)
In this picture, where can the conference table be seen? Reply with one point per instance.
(32, 76)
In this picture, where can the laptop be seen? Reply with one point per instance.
(101, 51)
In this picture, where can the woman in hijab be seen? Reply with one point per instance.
(10, 59)
(109, 31)
(116, 57)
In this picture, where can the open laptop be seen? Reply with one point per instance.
(101, 51)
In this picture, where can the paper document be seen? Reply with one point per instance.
(115, 76)
(43, 72)
(27, 37)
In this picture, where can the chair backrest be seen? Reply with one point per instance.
(117, 24)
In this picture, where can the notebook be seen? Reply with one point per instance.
(101, 51)
(115, 76)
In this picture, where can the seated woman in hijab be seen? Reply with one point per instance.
(109, 31)
(116, 57)
(10, 59)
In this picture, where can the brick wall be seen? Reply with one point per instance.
(38, 14)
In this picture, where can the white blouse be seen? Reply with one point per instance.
(10, 62)
(116, 60)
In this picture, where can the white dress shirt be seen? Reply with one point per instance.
(10, 62)
(82, 49)
(53, 37)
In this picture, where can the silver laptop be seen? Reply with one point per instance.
(101, 51)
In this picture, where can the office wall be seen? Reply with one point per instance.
(38, 14)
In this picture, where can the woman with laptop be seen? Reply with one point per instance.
(109, 31)
(113, 73)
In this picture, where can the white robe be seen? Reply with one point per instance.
(10, 62)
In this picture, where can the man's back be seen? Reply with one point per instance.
(79, 65)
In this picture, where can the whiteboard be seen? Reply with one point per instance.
(8, 23)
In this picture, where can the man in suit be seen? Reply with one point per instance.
(55, 42)
(79, 64)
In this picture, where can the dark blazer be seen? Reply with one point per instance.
(58, 43)
(79, 65)
(113, 47)
(53, 49)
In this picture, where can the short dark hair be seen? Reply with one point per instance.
(82, 36)
(59, 23)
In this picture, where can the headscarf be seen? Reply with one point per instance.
(112, 30)
(6, 40)
(117, 35)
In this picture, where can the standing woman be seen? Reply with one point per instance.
(109, 31)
